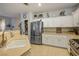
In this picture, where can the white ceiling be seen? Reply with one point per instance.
(11, 9)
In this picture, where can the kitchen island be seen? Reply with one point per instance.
(16, 47)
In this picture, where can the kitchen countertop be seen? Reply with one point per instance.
(15, 51)
(69, 34)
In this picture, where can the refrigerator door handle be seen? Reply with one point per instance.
(42, 28)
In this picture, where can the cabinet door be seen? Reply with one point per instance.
(76, 18)
(49, 39)
(45, 22)
(52, 40)
(44, 39)
(67, 21)
(51, 22)
(62, 41)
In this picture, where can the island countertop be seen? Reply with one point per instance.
(15, 51)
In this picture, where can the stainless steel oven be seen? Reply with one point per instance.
(74, 47)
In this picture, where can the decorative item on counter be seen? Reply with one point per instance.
(62, 13)
(35, 16)
(10, 27)
(40, 15)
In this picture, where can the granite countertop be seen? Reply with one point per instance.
(53, 32)
(15, 51)
(69, 34)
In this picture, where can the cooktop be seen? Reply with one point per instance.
(76, 40)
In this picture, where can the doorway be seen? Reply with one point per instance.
(26, 27)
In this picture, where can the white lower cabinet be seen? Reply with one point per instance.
(62, 42)
(55, 40)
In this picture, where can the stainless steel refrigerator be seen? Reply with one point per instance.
(36, 32)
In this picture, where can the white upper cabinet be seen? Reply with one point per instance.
(63, 21)
(66, 21)
(76, 18)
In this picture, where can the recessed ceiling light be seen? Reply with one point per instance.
(39, 4)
